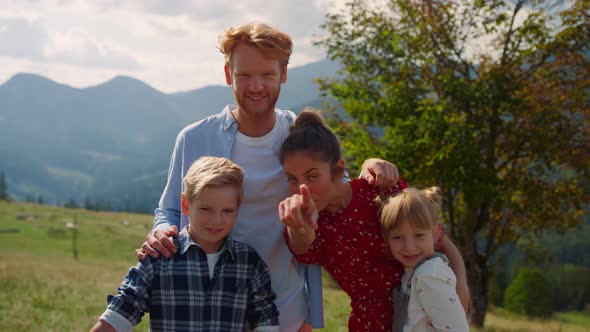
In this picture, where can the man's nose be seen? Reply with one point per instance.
(256, 84)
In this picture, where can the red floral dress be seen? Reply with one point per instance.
(349, 245)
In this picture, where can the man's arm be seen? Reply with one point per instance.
(447, 247)
(167, 215)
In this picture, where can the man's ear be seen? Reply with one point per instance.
(228, 78)
(184, 204)
(283, 74)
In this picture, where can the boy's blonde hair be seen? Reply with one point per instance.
(272, 42)
(419, 207)
(212, 172)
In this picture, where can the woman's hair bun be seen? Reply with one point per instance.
(308, 117)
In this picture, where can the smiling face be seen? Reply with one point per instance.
(256, 84)
(300, 168)
(409, 244)
(212, 216)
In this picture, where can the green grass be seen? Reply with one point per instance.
(336, 305)
(43, 288)
(577, 318)
(500, 320)
(54, 294)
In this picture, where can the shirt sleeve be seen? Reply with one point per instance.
(168, 211)
(313, 255)
(399, 186)
(316, 252)
(261, 309)
(437, 295)
(388, 191)
(117, 321)
(133, 296)
(313, 284)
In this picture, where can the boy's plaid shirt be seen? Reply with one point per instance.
(180, 296)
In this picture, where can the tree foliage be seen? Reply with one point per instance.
(71, 203)
(570, 286)
(3, 188)
(487, 99)
(529, 294)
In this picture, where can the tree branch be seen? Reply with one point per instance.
(517, 8)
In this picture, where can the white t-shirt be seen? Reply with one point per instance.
(265, 181)
(211, 261)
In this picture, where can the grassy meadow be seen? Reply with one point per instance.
(43, 288)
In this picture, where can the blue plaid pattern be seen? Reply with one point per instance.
(180, 296)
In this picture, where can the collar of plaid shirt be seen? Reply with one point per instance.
(185, 241)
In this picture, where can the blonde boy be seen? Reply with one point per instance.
(211, 283)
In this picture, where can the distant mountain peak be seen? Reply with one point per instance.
(24, 76)
(32, 81)
(126, 83)
(123, 79)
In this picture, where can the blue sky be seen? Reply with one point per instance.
(169, 44)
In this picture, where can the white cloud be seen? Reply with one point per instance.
(25, 38)
(22, 38)
(172, 28)
(171, 45)
(77, 48)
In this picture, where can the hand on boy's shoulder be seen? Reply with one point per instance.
(160, 241)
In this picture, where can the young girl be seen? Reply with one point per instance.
(345, 238)
(426, 300)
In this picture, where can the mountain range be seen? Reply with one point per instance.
(110, 143)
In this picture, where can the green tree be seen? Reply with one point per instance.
(529, 294)
(487, 99)
(29, 197)
(71, 203)
(89, 204)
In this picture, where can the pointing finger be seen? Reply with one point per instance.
(305, 196)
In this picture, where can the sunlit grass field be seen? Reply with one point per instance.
(43, 288)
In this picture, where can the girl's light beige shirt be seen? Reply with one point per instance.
(434, 304)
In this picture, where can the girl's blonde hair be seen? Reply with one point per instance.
(270, 41)
(212, 172)
(419, 207)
